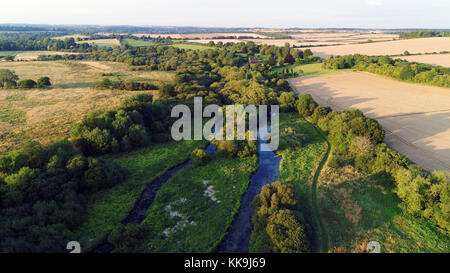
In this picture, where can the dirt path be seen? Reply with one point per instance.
(416, 117)
(322, 232)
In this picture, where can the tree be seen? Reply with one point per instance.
(287, 101)
(7, 77)
(289, 58)
(306, 105)
(166, 90)
(43, 82)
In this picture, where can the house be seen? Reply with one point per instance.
(254, 60)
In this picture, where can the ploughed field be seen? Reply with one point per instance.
(416, 117)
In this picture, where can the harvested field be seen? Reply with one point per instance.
(398, 47)
(433, 59)
(415, 117)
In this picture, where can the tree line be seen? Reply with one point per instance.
(397, 69)
(424, 34)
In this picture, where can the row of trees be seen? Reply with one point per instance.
(125, 85)
(15, 41)
(10, 80)
(398, 69)
(423, 34)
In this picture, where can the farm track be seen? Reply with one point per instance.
(322, 230)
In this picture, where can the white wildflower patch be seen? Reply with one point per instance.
(209, 192)
(183, 223)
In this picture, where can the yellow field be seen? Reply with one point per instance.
(45, 115)
(416, 117)
(433, 59)
(423, 45)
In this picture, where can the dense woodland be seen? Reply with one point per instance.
(397, 69)
(43, 188)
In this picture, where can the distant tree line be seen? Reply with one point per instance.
(128, 85)
(14, 41)
(424, 34)
(397, 69)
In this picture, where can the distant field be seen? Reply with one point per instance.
(309, 69)
(433, 59)
(102, 42)
(357, 209)
(416, 117)
(75, 36)
(44, 115)
(423, 45)
(191, 46)
(33, 55)
(133, 42)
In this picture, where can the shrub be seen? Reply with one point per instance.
(199, 157)
(26, 84)
(43, 82)
(287, 101)
(24, 175)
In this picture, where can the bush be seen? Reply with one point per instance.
(26, 84)
(199, 157)
(43, 82)
(24, 175)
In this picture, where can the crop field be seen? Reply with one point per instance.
(358, 208)
(433, 59)
(398, 47)
(416, 117)
(45, 115)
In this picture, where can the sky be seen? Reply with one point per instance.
(233, 13)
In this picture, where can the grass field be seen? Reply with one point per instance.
(108, 208)
(191, 46)
(308, 69)
(358, 209)
(193, 210)
(298, 165)
(133, 42)
(102, 42)
(45, 115)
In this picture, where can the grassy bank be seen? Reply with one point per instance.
(299, 163)
(106, 209)
(357, 209)
(193, 210)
